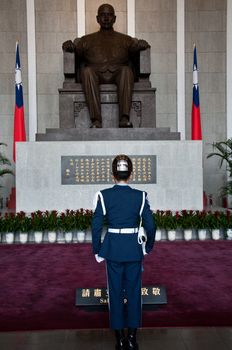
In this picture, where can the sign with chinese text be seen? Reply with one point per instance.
(151, 295)
(92, 170)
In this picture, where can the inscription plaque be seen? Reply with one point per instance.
(92, 170)
(151, 295)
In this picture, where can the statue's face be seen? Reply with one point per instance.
(106, 17)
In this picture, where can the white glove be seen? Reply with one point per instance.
(142, 239)
(98, 258)
(144, 248)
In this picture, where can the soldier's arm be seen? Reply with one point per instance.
(97, 226)
(149, 225)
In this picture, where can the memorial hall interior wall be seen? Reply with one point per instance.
(155, 21)
(56, 22)
(205, 25)
(13, 27)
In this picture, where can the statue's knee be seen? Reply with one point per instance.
(87, 72)
(126, 70)
(126, 73)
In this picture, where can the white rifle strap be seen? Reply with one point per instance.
(141, 209)
(99, 194)
(142, 237)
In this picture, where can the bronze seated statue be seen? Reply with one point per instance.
(73, 107)
(107, 64)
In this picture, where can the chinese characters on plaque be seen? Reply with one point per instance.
(99, 296)
(91, 170)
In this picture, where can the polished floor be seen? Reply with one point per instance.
(149, 339)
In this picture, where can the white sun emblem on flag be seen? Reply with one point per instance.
(18, 76)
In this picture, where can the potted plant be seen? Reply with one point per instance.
(50, 223)
(37, 225)
(213, 223)
(223, 150)
(1, 227)
(187, 223)
(200, 223)
(9, 227)
(83, 220)
(88, 217)
(158, 218)
(226, 224)
(4, 162)
(23, 226)
(170, 224)
(67, 224)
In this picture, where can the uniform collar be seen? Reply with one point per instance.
(121, 185)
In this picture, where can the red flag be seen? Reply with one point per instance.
(196, 116)
(19, 126)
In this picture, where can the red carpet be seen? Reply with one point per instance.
(38, 282)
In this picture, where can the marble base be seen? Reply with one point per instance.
(179, 174)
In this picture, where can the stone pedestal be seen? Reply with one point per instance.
(86, 134)
(178, 186)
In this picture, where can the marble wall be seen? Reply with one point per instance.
(205, 25)
(55, 23)
(155, 21)
(12, 28)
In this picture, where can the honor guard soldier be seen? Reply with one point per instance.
(123, 248)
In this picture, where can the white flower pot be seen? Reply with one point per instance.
(23, 237)
(215, 234)
(51, 236)
(80, 236)
(171, 235)
(38, 236)
(229, 233)
(158, 235)
(88, 236)
(60, 237)
(68, 237)
(202, 234)
(9, 237)
(188, 234)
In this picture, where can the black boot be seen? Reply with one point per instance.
(120, 339)
(131, 339)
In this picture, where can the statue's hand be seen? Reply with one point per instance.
(68, 46)
(143, 44)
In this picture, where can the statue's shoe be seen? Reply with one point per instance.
(96, 124)
(125, 124)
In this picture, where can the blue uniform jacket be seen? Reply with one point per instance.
(122, 205)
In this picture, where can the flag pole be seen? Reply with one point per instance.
(196, 116)
(19, 124)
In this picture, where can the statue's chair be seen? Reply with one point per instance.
(74, 111)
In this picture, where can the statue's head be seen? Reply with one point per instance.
(106, 16)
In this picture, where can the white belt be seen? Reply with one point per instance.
(123, 230)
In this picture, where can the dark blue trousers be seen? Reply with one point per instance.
(124, 279)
